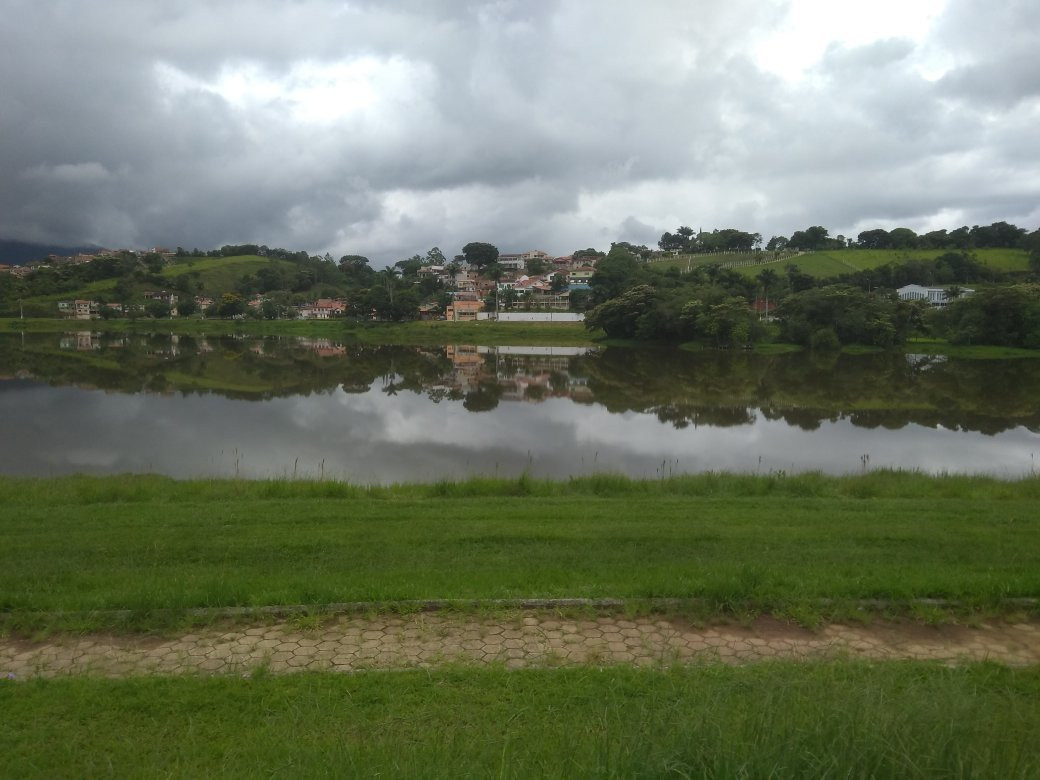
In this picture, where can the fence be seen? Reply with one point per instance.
(532, 316)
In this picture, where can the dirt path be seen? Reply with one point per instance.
(531, 640)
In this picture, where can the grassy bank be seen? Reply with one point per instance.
(434, 333)
(772, 720)
(807, 546)
(420, 333)
(967, 351)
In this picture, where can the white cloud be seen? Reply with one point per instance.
(387, 128)
(811, 27)
(69, 173)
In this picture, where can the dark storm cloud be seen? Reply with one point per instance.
(387, 128)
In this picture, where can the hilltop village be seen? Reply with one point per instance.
(422, 287)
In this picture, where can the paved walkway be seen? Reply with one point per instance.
(350, 643)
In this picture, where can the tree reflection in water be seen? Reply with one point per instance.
(683, 389)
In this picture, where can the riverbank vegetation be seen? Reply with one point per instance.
(723, 288)
(806, 545)
(835, 719)
(440, 332)
(723, 306)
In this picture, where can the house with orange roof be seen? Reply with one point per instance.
(463, 307)
(323, 309)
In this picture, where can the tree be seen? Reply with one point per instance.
(999, 234)
(874, 239)
(798, 279)
(902, 238)
(507, 297)
(559, 282)
(231, 305)
(579, 300)
(351, 264)
(157, 309)
(639, 250)
(494, 272)
(768, 278)
(411, 266)
(270, 310)
(581, 255)
(810, 239)
(391, 299)
(484, 398)
(153, 262)
(1032, 245)
(670, 243)
(124, 290)
(854, 316)
(536, 266)
(186, 307)
(617, 272)
(726, 322)
(619, 317)
(777, 244)
(479, 253)
(1003, 316)
(435, 257)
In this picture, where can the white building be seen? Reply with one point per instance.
(936, 296)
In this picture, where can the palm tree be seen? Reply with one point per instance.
(767, 278)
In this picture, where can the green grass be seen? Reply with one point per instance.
(685, 262)
(839, 719)
(219, 274)
(738, 543)
(834, 262)
(967, 351)
(410, 333)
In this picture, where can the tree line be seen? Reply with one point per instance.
(721, 307)
(998, 235)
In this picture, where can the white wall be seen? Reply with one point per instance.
(534, 316)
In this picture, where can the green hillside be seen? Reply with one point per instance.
(686, 262)
(216, 275)
(834, 262)
(219, 274)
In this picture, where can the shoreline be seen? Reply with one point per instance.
(443, 333)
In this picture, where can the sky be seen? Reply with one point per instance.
(372, 437)
(386, 128)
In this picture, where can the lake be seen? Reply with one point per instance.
(96, 403)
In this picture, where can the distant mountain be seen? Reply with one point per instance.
(20, 253)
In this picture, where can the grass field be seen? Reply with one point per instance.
(782, 720)
(738, 544)
(685, 262)
(835, 262)
(806, 547)
(219, 274)
(413, 333)
(967, 351)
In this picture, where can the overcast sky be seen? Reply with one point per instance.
(386, 128)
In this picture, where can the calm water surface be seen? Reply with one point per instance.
(262, 407)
